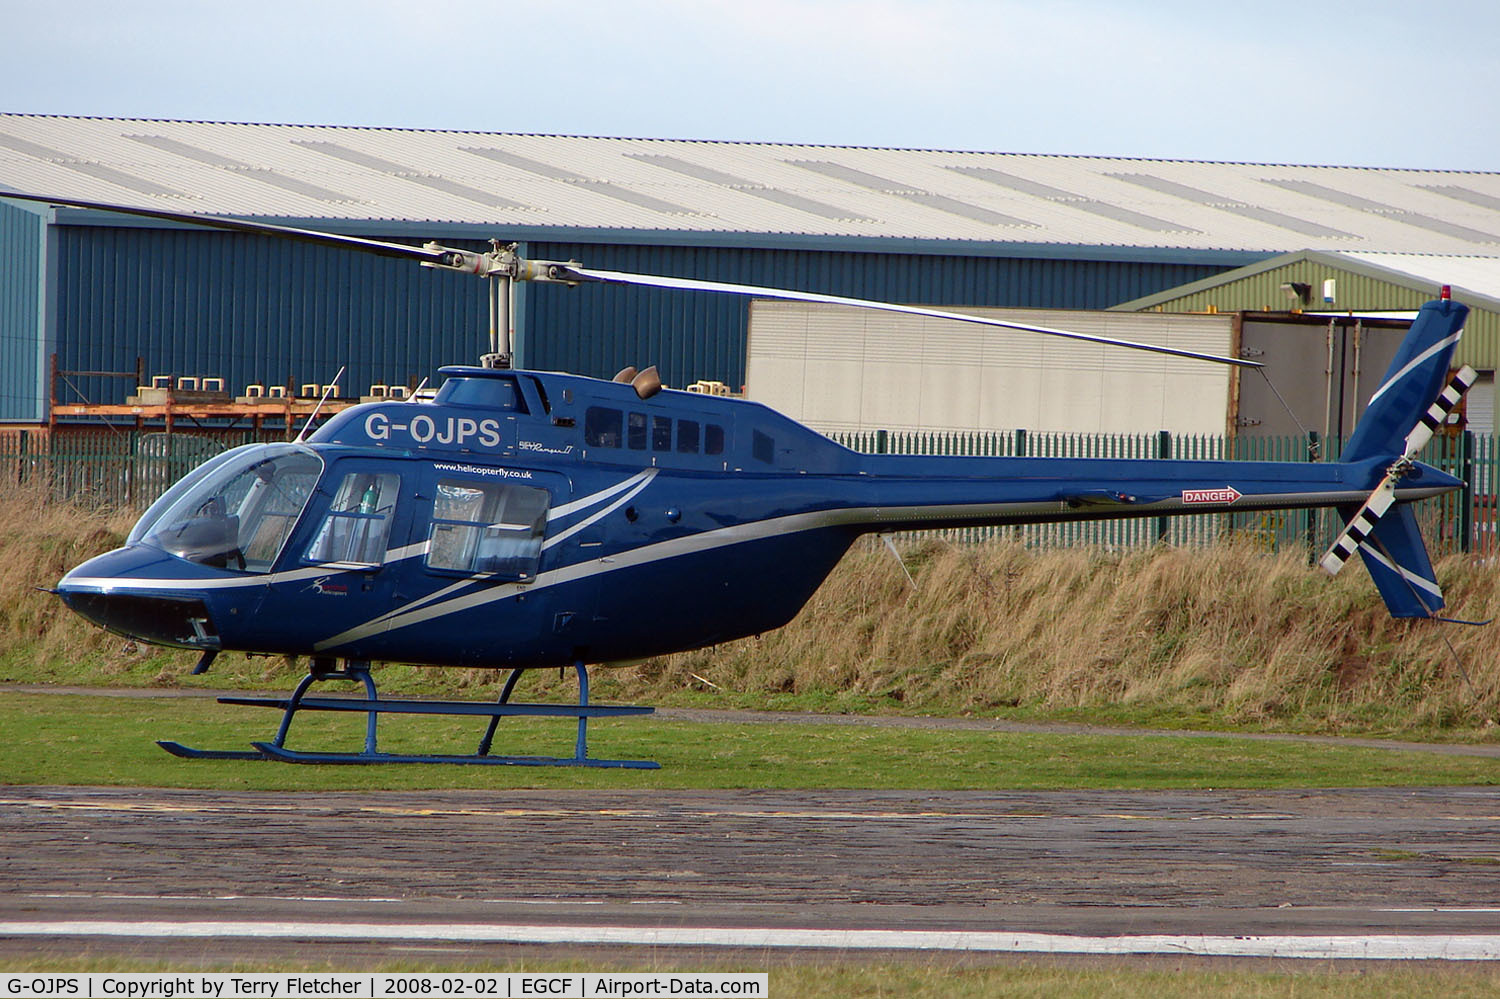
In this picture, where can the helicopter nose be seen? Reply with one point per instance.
(110, 591)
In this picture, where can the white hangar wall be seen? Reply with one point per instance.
(842, 369)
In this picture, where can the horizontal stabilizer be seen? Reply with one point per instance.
(1099, 497)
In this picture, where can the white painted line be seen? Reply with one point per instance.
(1400, 947)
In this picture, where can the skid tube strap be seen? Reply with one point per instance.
(374, 706)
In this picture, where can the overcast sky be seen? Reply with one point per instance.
(1374, 83)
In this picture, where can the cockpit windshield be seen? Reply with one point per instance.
(236, 511)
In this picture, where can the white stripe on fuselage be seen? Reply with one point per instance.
(641, 482)
(443, 602)
(106, 584)
(427, 610)
(585, 502)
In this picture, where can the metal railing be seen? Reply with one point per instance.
(109, 468)
(129, 469)
(1468, 521)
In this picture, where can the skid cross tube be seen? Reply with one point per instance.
(374, 706)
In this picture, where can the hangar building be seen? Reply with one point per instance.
(86, 292)
(1348, 294)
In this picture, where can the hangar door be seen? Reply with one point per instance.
(1326, 368)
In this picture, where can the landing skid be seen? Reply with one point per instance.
(373, 706)
(189, 753)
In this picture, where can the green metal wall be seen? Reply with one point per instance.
(1357, 291)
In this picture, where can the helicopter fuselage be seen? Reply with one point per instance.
(526, 519)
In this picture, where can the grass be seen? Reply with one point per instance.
(1227, 638)
(85, 740)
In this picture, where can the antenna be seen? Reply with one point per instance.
(327, 391)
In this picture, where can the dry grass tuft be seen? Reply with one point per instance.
(1228, 635)
(40, 540)
(1223, 636)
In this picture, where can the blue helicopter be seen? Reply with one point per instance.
(526, 519)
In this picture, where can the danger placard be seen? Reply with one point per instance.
(1227, 494)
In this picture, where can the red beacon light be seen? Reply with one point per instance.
(1446, 293)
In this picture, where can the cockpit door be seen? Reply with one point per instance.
(340, 571)
(488, 557)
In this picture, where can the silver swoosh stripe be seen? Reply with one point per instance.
(584, 502)
(642, 481)
(1411, 577)
(105, 584)
(1424, 356)
(427, 610)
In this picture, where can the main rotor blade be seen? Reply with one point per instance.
(693, 284)
(477, 263)
(400, 250)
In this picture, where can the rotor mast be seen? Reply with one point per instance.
(502, 266)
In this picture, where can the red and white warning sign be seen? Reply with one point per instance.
(1228, 494)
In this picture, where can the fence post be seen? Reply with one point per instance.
(881, 441)
(1466, 508)
(1163, 451)
(1314, 447)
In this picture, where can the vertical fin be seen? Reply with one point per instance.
(1399, 564)
(1362, 523)
(1412, 383)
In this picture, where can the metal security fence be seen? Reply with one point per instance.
(1468, 521)
(117, 469)
(128, 469)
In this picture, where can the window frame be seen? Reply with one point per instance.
(354, 514)
(497, 496)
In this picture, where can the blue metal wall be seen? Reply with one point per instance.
(250, 309)
(22, 351)
(598, 330)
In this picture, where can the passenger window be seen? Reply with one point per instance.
(661, 433)
(687, 436)
(635, 431)
(601, 427)
(358, 523)
(487, 528)
(763, 448)
(713, 439)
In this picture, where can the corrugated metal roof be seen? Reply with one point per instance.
(1474, 278)
(1478, 275)
(552, 184)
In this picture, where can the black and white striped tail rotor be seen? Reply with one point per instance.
(1437, 414)
(1362, 524)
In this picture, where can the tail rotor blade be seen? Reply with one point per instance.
(1437, 414)
(1362, 524)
